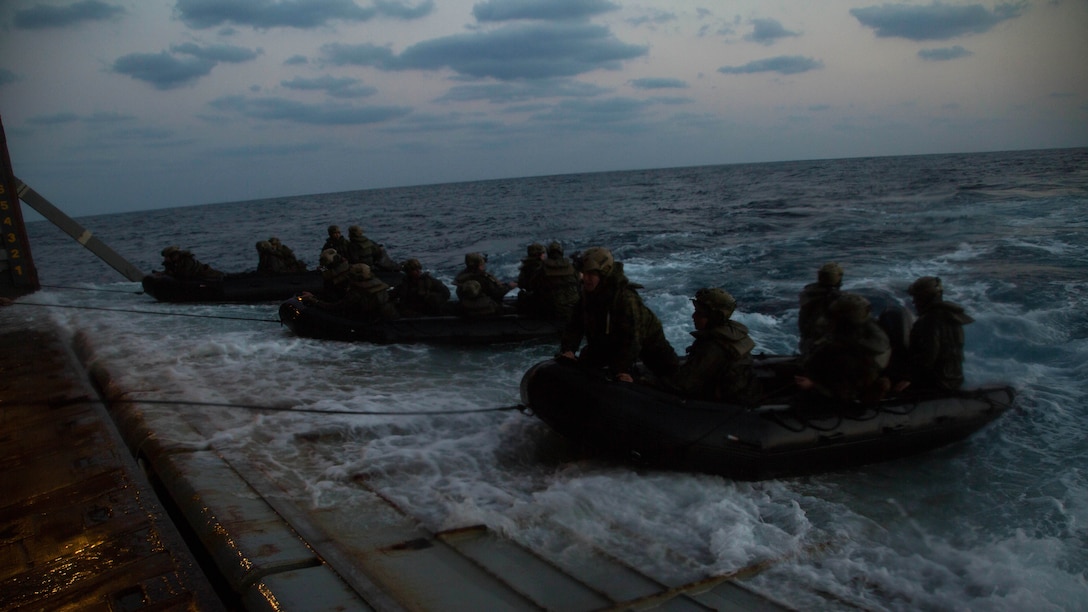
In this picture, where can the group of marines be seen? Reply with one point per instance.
(845, 354)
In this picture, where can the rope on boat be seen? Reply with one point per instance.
(90, 400)
(145, 312)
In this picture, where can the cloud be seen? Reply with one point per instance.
(7, 77)
(508, 92)
(296, 60)
(292, 13)
(767, 31)
(655, 18)
(524, 51)
(280, 109)
(337, 88)
(938, 21)
(940, 55)
(783, 64)
(547, 10)
(42, 16)
(165, 70)
(658, 83)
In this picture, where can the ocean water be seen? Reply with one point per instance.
(997, 522)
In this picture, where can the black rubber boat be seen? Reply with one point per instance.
(244, 287)
(310, 321)
(784, 437)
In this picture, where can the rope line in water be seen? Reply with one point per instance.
(92, 289)
(145, 312)
(89, 400)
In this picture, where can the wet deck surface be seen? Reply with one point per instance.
(80, 528)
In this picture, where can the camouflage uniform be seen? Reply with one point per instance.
(554, 289)
(489, 285)
(419, 295)
(619, 329)
(847, 364)
(474, 303)
(936, 339)
(182, 265)
(719, 363)
(367, 297)
(336, 242)
(362, 249)
(815, 299)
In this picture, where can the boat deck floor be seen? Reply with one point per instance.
(80, 528)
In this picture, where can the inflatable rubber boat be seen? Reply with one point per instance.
(243, 287)
(788, 435)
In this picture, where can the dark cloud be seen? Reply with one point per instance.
(940, 55)
(7, 76)
(767, 31)
(296, 60)
(937, 21)
(658, 83)
(335, 87)
(279, 109)
(548, 10)
(783, 64)
(41, 16)
(292, 13)
(509, 92)
(165, 70)
(524, 51)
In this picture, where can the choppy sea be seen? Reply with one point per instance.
(996, 522)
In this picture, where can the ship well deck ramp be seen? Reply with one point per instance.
(71, 451)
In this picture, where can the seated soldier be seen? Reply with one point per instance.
(474, 302)
(183, 266)
(719, 361)
(367, 297)
(419, 294)
(334, 271)
(848, 363)
(935, 354)
(476, 270)
(815, 299)
(555, 288)
(289, 263)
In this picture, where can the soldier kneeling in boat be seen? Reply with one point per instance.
(719, 362)
(419, 294)
(848, 363)
(182, 265)
(367, 297)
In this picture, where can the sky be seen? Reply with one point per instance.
(123, 105)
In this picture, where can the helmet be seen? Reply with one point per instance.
(849, 307)
(355, 230)
(360, 270)
(474, 260)
(555, 250)
(411, 264)
(334, 229)
(926, 288)
(471, 289)
(170, 250)
(264, 246)
(830, 275)
(274, 241)
(597, 259)
(715, 300)
(536, 249)
(328, 257)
